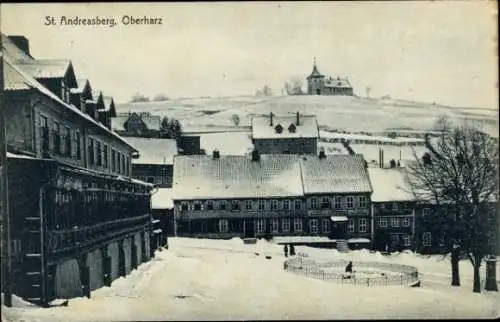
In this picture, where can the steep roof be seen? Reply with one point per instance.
(153, 151)
(199, 177)
(34, 84)
(13, 79)
(336, 82)
(118, 122)
(315, 73)
(82, 83)
(307, 128)
(49, 68)
(15, 53)
(335, 174)
(109, 105)
(390, 185)
(162, 199)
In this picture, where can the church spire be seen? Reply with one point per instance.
(315, 72)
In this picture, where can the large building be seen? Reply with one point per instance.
(319, 84)
(289, 134)
(272, 195)
(78, 219)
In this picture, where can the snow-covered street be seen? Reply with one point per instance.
(199, 279)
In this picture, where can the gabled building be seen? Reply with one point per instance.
(138, 124)
(79, 220)
(319, 84)
(290, 134)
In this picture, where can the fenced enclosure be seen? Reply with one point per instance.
(364, 273)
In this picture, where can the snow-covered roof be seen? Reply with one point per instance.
(108, 102)
(33, 83)
(262, 128)
(153, 122)
(47, 68)
(153, 151)
(336, 82)
(81, 86)
(15, 53)
(390, 185)
(199, 177)
(118, 122)
(162, 199)
(13, 80)
(336, 173)
(315, 72)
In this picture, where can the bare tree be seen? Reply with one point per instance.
(294, 86)
(236, 119)
(264, 91)
(460, 175)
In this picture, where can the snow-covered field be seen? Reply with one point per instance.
(333, 112)
(199, 279)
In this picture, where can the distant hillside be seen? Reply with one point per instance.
(333, 112)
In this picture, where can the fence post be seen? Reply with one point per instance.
(401, 280)
(368, 281)
(386, 280)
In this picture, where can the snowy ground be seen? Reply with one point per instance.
(199, 279)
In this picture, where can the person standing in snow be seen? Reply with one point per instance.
(286, 250)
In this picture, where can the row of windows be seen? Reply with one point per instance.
(282, 225)
(394, 222)
(271, 204)
(362, 225)
(98, 153)
(401, 239)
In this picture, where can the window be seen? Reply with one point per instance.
(91, 151)
(197, 205)
(395, 206)
(57, 138)
(298, 204)
(248, 204)
(297, 224)
(105, 152)
(274, 204)
(274, 225)
(406, 222)
(223, 225)
(314, 203)
(325, 203)
(406, 240)
(67, 141)
(338, 202)
(350, 202)
(235, 205)
(123, 164)
(44, 134)
(223, 205)
(394, 222)
(313, 225)
(362, 225)
(426, 211)
(118, 156)
(286, 204)
(285, 225)
(184, 206)
(382, 222)
(350, 225)
(260, 225)
(262, 205)
(210, 205)
(363, 201)
(151, 179)
(426, 238)
(113, 160)
(78, 145)
(325, 225)
(99, 153)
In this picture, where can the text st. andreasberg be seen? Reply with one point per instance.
(126, 20)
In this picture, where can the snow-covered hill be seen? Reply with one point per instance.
(333, 112)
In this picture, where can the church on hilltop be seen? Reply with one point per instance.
(319, 84)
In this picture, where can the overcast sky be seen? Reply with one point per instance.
(444, 52)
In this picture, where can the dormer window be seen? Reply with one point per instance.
(292, 128)
(278, 128)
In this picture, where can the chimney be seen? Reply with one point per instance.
(271, 119)
(255, 155)
(216, 154)
(298, 118)
(322, 154)
(22, 43)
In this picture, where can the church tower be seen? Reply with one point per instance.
(315, 81)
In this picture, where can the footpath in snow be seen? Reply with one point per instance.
(199, 279)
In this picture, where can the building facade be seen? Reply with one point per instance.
(285, 134)
(134, 124)
(319, 84)
(79, 220)
(263, 196)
